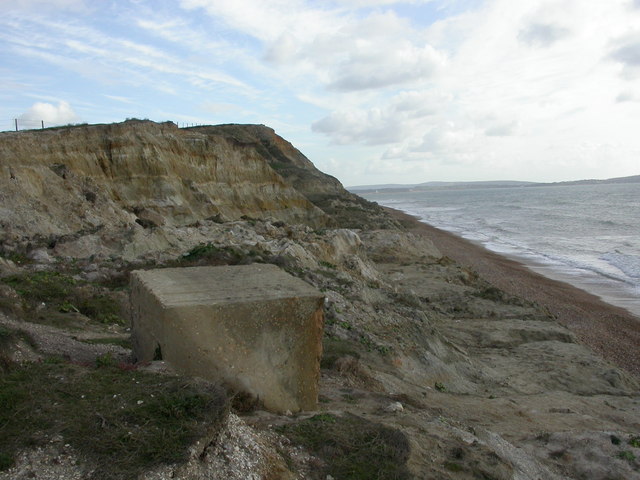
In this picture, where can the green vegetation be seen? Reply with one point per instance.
(122, 421)
(209, 254)
(8, 338)
(453, 467)
(121, 342)
(328, 265)
(627, 455)
(371, 346)
(16, 257)
(61, 293)
(352, 447)
(48, 287)
(439, 386)
(634, 442)
(494, 294)
(334, 348)
(337, 282)
(490, 293)
(5, 333)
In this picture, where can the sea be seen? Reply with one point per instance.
(585, 235)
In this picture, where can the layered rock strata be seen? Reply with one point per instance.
(60, 184)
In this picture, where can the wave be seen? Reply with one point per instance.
(629, 264)
(615, 266)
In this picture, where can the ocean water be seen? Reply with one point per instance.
(586, 235)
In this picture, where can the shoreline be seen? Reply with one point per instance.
(613, 332)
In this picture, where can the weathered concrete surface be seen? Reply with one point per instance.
(253, 326)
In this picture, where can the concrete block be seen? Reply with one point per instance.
(253, 326)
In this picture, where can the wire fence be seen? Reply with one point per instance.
(27, 124)
(189, 125)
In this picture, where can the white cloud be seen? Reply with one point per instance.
(392, 123)
(445, 143)
(50, 114)
(511, 110)
(376, 3)
(375, 68)
(328, 46)
(108, 58)
(542, 34)
(369, 127)
(264, 20)
(627, 52)
(118, 98)
(625, 96)
(501, 128)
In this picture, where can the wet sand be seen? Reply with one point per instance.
(611, 331)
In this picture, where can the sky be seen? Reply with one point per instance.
(371, 91)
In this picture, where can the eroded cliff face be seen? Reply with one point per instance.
(68, 182)
(326, 192)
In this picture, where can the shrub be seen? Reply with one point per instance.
(61, 293)
(122, 421)
(627, 455)
(352, 447)
(209, 254)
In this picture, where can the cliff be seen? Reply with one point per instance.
(326, 192)
(62, 182)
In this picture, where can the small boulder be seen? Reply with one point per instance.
(394, 407)
(40, 255)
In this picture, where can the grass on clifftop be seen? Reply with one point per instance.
(352, 447)
(121, 421)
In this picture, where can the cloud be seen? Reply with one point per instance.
(376, 52)
(394, 67)
(399, 118)
(625, 97)
(283, 50)
(507, 103)
(443, 144)
(542, 34)
(504, 129)
(628, 53)
(50, 114)
(119, 98)
(368, 127)
(376, 3)
(445, 139)
(108, 58)
(331, 46)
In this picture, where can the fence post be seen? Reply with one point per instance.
(16, 124)
(42, 122)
